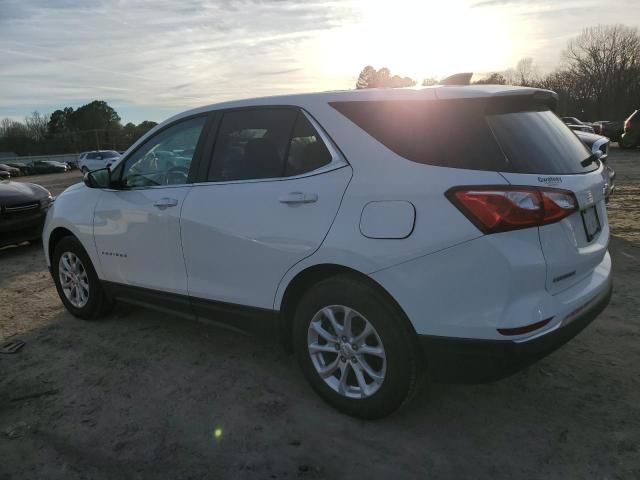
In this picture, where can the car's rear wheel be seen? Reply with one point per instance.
(76, 280)
(84, 170)
(355, 347)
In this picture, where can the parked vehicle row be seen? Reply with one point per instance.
(357, 228)
(12, 170)
(626, 133)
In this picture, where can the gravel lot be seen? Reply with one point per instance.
(146, 395)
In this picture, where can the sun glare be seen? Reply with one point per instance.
(421, 39)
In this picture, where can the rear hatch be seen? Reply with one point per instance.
(543, 152)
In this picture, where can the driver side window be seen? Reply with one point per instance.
(166, 157)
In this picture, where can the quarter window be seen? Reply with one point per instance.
(307, 152)
(165, 158)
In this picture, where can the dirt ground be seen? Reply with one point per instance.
(146, 395)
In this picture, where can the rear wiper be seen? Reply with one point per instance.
(594, 157)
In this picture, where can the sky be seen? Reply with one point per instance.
(152, 59)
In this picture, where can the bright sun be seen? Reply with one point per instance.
(420, 39)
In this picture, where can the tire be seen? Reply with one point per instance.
(84, 170)
(96, 304)
(399, 367)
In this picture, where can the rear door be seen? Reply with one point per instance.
(273, 187)
(541, 151)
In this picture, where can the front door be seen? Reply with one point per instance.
(137, 227)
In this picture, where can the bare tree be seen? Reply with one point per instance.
(606, 60)
(524, 74)
(37, 125)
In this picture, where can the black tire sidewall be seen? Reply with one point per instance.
(95, 306)
(398, 340)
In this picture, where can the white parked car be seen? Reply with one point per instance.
(374, 232)
(97, 159)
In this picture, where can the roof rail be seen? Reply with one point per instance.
(457, 79)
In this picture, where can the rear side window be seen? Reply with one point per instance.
(252, 144)
(266, 143)
(467, 134)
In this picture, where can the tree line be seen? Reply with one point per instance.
(598, 79)
(93, 126)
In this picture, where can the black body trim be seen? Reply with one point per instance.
(453, 360)
(239, 318)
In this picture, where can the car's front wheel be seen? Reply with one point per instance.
(355, 348)
(76, 280)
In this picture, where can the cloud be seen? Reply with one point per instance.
(164, 53)
(153, 58)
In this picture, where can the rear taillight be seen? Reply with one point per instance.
(502, 208)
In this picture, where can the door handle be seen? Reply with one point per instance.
(298, 197)
(165, 202)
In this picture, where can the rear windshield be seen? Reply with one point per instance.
(471, 134)
(539, 142)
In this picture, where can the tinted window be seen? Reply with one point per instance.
(461, 134)
(252, 144)
(92, 156)
(109, 154)
(443, 133)
(166, 157)
(307, 151)
(539, 142)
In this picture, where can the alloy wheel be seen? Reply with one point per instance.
(73, 279)
(346, 351)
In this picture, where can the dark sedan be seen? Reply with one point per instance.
(24, 169)
(23, 207)
(12, 171)
(48, 166)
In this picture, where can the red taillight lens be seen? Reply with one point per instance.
(503, 208)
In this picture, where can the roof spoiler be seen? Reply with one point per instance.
(457, 79)
(516, 101)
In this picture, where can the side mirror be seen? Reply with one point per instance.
(98, 178)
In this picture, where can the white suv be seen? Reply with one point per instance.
(374, 232)
(89, 161)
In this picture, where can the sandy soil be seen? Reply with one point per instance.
(141, 395)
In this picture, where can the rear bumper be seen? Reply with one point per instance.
(476, 360)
